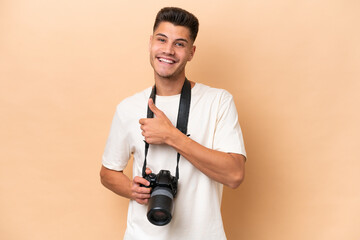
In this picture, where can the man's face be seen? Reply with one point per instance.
(170, 49)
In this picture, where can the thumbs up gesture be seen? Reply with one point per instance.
(157, 130)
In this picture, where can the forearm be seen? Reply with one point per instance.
(120, 184)
(116, 181)
(226, 168)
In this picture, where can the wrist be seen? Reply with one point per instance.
(176, 138)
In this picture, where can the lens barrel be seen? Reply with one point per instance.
(160, 206)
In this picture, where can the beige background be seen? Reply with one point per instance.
(292, 66)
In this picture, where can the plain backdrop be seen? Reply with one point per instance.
(293, 68)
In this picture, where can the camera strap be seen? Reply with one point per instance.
(182, 119)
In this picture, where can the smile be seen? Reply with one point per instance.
(164, 60)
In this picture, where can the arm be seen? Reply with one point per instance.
(120, 184)
(226, 168)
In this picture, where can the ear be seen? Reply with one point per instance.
(192, 52)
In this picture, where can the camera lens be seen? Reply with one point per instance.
(160, 206)
(159, 217)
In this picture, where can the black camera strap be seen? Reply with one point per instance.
(182, 119)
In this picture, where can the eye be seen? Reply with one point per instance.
(179, 44)
(161, 39)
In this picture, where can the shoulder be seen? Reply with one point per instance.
(133, 107)
(210, 93)
(135, 101)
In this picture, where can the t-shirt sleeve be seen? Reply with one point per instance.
(228, 135)
(117, 151)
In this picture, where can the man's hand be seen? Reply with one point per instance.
(156, 130)
(140, 194)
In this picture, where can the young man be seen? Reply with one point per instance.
(212, 155)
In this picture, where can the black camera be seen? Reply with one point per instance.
(163, 190)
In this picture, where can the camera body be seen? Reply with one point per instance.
(163, 190)
(162, 179)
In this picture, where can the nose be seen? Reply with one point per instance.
(168, 49)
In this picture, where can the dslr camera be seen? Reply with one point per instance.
(163, 190)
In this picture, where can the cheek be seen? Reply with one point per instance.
(154, 49)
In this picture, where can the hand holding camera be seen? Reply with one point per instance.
(140, 192)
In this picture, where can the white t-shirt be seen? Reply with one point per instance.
(213, 122)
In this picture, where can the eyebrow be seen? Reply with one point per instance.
(179, 39)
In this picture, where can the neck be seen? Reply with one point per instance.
(169, 86)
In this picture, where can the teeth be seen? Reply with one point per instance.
(165, 60)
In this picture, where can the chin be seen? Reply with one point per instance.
(165, 75)
(169, 75)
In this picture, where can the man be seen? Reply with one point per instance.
(212, 155)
